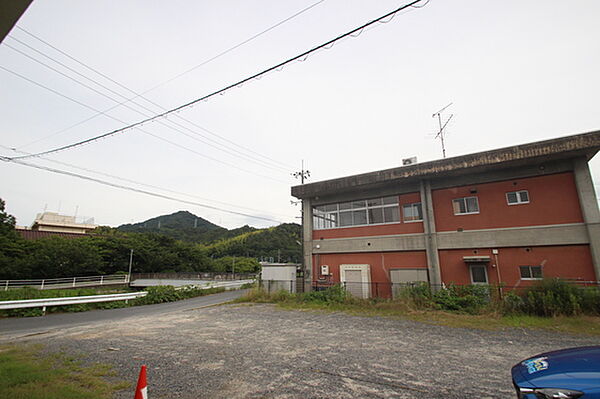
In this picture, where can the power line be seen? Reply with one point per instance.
(162, 122)
(302, 56)
(137, 127)
(140, 183)
(224, 52)
(123, 187)
(255, 36)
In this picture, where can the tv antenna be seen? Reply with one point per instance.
(440, 133)
(302, 174)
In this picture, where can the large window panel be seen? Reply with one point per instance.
(391, 214)
(345, 218)
(375, 215)
(358, 204)
(359, 213)
(390, 200)
(359, 217)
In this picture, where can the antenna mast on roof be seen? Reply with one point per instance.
(440, 133)
(302, 174)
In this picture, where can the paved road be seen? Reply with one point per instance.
(12, 328)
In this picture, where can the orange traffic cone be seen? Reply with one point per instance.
(141, 391)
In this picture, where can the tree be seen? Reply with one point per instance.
(7, 222)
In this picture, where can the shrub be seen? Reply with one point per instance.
(419, 295)
(468, 298)
(334, 294)
(159, 294)
(552, 297)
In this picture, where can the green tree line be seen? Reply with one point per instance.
(107, 250)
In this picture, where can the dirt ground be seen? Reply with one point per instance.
(261, 351)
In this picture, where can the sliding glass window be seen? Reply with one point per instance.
(357, 213)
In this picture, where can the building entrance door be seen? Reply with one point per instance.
(356, 279)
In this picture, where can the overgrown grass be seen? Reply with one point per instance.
(28, 373)
(155, 295)
(468, 307)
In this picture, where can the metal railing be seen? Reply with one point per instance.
(66, 282)
(44, 302)
(193, 276)
(394, 290)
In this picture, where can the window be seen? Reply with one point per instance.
(531, 272)
(465, 206)
(478, 274)
(412, 212)
(357, 213)
(517, 197)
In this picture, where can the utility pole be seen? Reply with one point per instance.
(440, 133)
(130, 263)
(233, 268)
(302, 175)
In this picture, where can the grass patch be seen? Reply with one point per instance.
(155, 295)
(28, 373)
(487, 319)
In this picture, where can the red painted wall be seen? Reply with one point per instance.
(376, 230)
(552, 200)
(380, 265)
(568, 262)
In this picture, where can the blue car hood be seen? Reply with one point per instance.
(576, 368)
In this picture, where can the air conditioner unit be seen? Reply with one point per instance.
(409, 161)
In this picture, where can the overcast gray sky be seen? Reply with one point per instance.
(515, 71)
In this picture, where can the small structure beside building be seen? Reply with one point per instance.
(508, 216)
(279, 276)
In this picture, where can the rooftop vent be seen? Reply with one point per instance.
(409, 161)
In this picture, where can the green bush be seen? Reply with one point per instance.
(467, 298)
(334, 294)
(552, 297)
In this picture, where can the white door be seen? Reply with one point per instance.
(356, 279)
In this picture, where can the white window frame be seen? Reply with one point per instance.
(531, 272)
(519, 200)
(365, 208)
(465, 201)
(487, 280)
(412, 205)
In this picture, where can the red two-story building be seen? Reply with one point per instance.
(511, 216)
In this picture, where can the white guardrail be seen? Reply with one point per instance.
(36, 303)
(68, 282)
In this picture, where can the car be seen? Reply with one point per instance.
(567, 373)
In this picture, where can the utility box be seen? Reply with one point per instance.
(278, 276)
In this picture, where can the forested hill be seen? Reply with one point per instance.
(185, 226)
(281, 243)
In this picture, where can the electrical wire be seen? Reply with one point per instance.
(164, 122)
(123, 187)
(255, 36)
(138, 128)
(140, 183)
(222, 90)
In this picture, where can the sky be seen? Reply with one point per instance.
(514, 71)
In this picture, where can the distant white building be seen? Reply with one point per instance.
(53, 222)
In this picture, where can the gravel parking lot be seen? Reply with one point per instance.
(261, 351)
